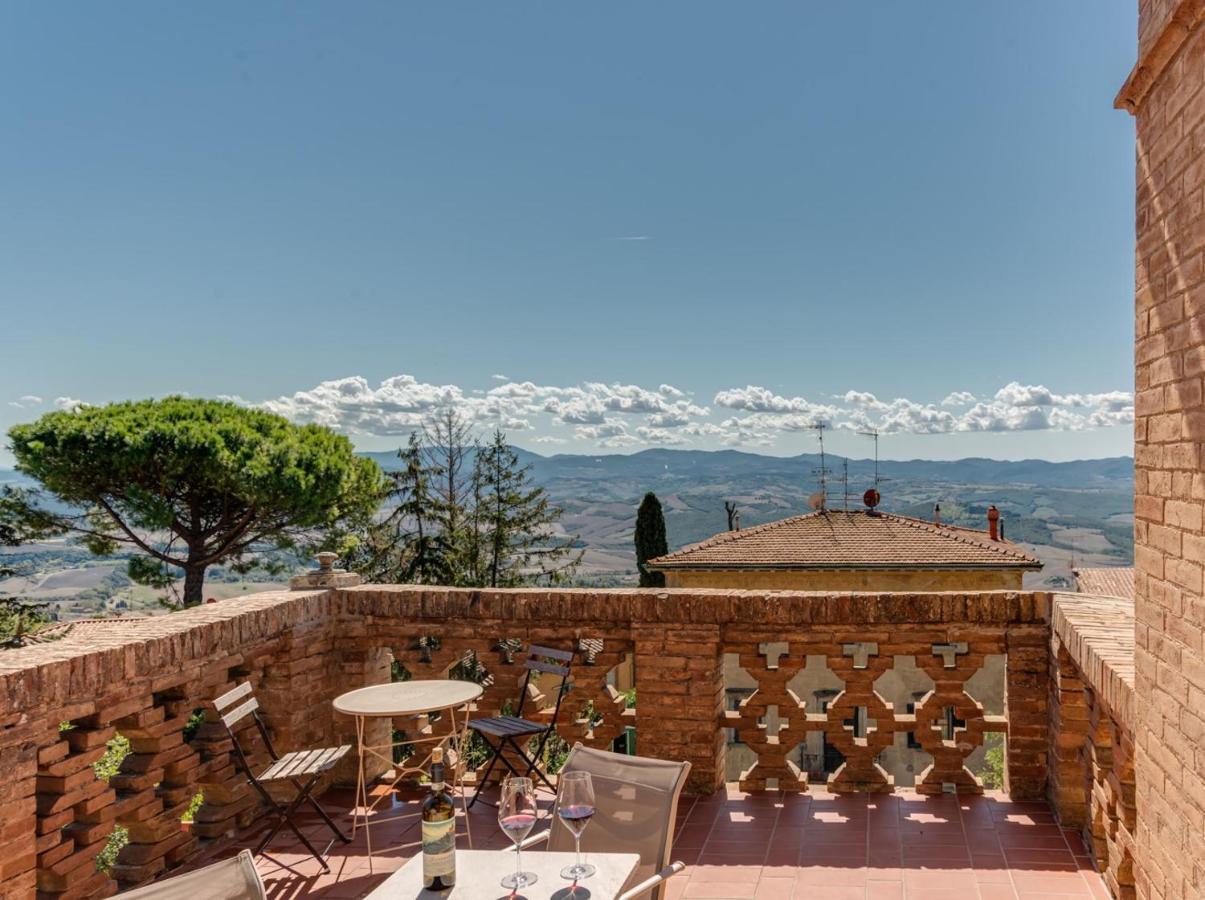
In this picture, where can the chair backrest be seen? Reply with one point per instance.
(234, 706)
(230, 879)
(635, 806)
(547, 660)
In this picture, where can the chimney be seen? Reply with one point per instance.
(993, 518)
(936, 513)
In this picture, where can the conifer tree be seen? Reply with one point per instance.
(516, 521)
(405, 546)
(650, 539)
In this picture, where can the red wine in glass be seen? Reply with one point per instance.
(575, 807)
(516, 816)
(576, 816)
(518, 826)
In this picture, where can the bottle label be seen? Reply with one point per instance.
(439, 848)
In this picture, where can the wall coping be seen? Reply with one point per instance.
(1158, 52)
(80, 668)
(1098, 632)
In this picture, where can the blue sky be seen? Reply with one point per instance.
(684, 224)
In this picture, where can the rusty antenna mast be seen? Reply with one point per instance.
(821, 473)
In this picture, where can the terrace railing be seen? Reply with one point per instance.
(651, 661)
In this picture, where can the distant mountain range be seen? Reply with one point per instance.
(1078, 512)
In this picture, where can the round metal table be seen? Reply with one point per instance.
(416, 699)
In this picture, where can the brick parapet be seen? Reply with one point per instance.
(147, 678)
(1092, 784)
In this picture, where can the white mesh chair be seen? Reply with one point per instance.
(230, 879)
(635, 808)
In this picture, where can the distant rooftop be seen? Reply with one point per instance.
(1117, 581)
(850, 539)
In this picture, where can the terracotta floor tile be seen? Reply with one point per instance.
(775, 889)
(815, 846)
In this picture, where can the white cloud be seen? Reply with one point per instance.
(618, 414)
(500, 378)
(68, 404)
(29, 401)
(958, 398)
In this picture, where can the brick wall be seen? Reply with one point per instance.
(1165, 94)
(60, 702)
(1092, 729)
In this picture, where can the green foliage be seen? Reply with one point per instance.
(20, 618)
(650, 539)
(405, 546)
(107, 858)
(629, 698)
(459, 513)
(197, 801)
(116, 750)
(516, 521)
(992, 775)
(556, 751)
(186, 483)
(195, 720)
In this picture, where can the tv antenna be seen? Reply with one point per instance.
(821, 473)
(874, 433)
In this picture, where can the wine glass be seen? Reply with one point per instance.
(575, 806)
(516, 817)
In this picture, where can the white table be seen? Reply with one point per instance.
(479, 874)
(408, 698)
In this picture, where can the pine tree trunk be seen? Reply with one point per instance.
(194, 582)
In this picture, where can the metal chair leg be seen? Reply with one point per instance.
(486, 777)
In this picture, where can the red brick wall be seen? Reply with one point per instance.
(299, 650)
(1165, 93)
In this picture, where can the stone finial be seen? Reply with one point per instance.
(325, 576)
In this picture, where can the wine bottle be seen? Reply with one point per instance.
(439, 831)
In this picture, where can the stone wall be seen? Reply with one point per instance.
(61, 701)
(1165, 94)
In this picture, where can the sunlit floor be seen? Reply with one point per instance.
(771, 845)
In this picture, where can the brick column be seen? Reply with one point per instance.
(1164, 92)
(1025, 706)
(680, 698)
(1067, 787)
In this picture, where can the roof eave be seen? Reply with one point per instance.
(753, 567)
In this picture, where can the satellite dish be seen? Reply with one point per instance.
(816, 501)
(871, 498)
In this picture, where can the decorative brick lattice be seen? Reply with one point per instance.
(858, 722)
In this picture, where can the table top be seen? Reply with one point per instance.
(403, 698)
(479, 874)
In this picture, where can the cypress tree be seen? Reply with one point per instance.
(650, 539)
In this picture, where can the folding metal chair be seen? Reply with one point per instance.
(504, 732)
(292, 767)
(635, 807)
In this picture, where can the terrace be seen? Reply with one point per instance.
(1062, 824)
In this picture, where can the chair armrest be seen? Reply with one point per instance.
(648, 884)
(531, 840)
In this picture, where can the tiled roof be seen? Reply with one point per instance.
(841, 539)
(1111, 582)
